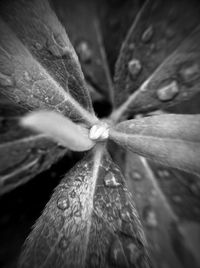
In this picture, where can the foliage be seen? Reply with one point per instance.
(46, 110)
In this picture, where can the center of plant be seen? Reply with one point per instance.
(99, 132)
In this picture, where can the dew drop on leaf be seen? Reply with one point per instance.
(168, 92)
(163, 173)
(125, 215)
(148, 34)
(149, 217)
(73, 194)
(84, 51)
(63, 243)
(135, 175)
(132, 251)
(110, 180)
(117, 256)
(134, 67)
(56, 45)
(38, 46)
(189, 72)
(63, 203)
(6, 80)
(27, 76)
(131, 46)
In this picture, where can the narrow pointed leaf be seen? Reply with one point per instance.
(166, 206)
(116, 18)
(29, 81)
(23, 154)
(36, 25)
(159, 60)
(82, 23)
(170, 139)
(90, 221)
(60, 129)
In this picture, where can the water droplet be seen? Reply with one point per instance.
(73, 194)
(27, 76)
(195, 188)
(163, 173)
(189, 72)
(6, 81)
(117, 256)
(63, 243)
(131, 46)
(84, 51)
(168, 92)
(134, 67)
(99, 132)
(110, 180)
(59, 223)
(148, 34)
(133, 252)
(38, 46)
(136, 175)
(63, 202)
(125, 215)
(150, 217)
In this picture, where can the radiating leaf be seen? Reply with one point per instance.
(90, 221)
(169, 139)
(81, 19)
(23, 154)
(116, 18)
(160, 57)
(37, 26)
(43, 72)
(168, 209)
(60, 129)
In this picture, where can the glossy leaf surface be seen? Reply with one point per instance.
(60, 129)
(23, 154)
(167, 201)
(90, 221)
(38, 28)
(172, 140)
(159, 60)
(82, 22)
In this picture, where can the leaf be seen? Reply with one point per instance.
(168, 209)
(45, 73)
(159, 61)
(82, 22)
(60, 129)
(23, 154)
(90, 221)
(172, 140)
(116, 17)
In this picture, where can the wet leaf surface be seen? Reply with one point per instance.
(90, 221)
(93, 222)
(159, 58)
(82, 23)
(23, 154)
(168, 211)
(37, 27)
(170, 139)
